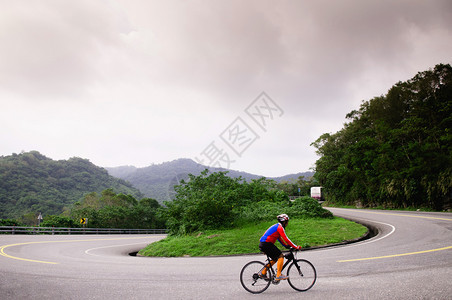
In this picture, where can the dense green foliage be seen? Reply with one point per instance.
(110, 210)
(215, 200)
(10, 222)
(31, 183)
(310, 232)
(107, 210)
(396, 150)
(59, 221)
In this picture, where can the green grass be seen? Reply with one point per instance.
(244, 240)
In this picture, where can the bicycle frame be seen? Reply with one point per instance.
(290, 256)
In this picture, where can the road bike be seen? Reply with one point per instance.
(302, 274)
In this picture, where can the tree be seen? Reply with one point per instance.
(396, 149)
(59, 221)
(10, 222)
(214, 200)
(111, 210)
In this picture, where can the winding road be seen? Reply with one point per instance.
(410, 258)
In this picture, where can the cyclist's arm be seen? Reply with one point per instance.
(285, 240)
(284, 245)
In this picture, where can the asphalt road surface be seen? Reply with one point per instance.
(410, 258)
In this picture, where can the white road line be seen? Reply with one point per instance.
(92, 249)
(364, 221)
(378, 239)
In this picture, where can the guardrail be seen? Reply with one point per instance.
(62, 230)
(293, 198)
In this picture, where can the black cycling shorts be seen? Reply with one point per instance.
(270, 249)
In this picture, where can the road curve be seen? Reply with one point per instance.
(410, 258)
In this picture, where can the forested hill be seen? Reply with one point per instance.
(33, 183)
(396, 151)
(157, 181)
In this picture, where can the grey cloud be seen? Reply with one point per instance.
(54, 48)
(185, 67)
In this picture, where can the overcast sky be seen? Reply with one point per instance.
(247, 85)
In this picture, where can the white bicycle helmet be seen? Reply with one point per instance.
(282, 218)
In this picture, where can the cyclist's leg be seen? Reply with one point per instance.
(266, 248)
(267, 266)
(274, 253)
(279, 266)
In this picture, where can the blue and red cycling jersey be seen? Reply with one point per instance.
(277, 232)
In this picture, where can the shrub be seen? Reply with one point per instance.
(307, 207)
(10, 222)
(58, 221)
(261, 211)
(213, 201)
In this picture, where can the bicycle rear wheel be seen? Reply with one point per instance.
(250, 280)
(302, 275)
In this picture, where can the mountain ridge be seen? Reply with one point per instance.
(157, 180)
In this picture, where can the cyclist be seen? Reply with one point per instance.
(267, 245)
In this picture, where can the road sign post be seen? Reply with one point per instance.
(39, 219)
(84, 221)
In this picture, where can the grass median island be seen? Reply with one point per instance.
(309, 232)
(213, 214)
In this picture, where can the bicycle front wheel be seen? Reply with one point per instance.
(250, 280)
(302, 275)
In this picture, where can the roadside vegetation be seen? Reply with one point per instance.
(104, 210)
(213, 214)
(382, 207)
(244, 240)
(216, 201)
(396, 150)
